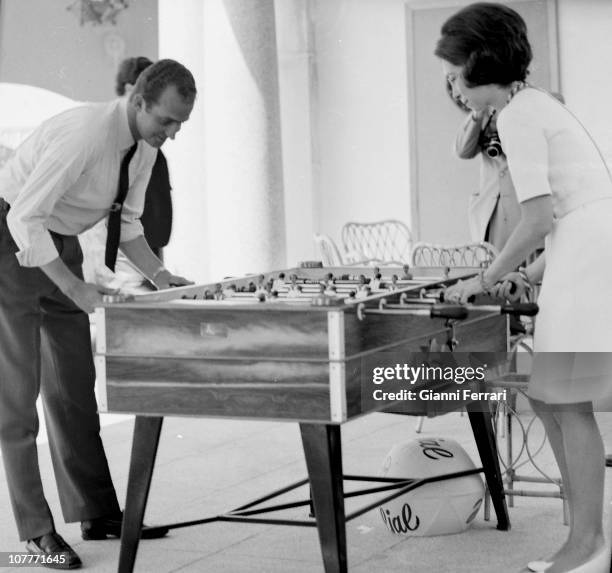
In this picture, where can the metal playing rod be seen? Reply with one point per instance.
(456, 312)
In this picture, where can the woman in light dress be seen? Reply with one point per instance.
(565, 194)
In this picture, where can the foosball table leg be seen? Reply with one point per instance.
(323, 452)
(144, 449)
(482, 426)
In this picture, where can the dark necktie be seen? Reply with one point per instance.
(114, 216)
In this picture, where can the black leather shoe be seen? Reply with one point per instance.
(103, 527)
(54, 551)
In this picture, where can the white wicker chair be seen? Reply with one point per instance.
(462, 255)
(379, 242)
(327, 249)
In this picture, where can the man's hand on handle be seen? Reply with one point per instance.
(165, 279)
(87, 296)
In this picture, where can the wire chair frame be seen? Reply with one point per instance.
(328, 251)
(386, 242)
(479, 254)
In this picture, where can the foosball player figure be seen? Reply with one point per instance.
(293, 282)
(329, 279)
(393, 284)
(363, 284)
(406, 274)
(229, 291)
(251, 287)
(208, 295)
(446, 273)
(261, 290)
(218, 295)
(294, 291)
(375, 282)
(261, 286)
(364, 292)
(279, 282)
(331, 290)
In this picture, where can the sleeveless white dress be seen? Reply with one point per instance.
(550, 153)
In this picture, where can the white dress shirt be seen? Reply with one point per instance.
(65, 176)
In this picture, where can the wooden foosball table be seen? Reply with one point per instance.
(292, 345)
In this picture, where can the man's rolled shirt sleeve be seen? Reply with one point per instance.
(30, 211)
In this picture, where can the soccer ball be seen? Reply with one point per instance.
(438, 508)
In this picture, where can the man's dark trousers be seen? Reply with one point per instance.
(45, 346)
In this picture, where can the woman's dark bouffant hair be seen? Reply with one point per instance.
(489, 41)
(128, 72)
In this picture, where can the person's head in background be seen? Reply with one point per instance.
(160, 101)
(128, 72)
(484, 50)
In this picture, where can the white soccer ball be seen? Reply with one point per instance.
(438, 508)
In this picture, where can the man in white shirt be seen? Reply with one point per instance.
(61, 181)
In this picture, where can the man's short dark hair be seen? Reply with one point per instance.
(156, 78)
(128, 72)
(489, 41)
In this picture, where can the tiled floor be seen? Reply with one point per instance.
(207, 466)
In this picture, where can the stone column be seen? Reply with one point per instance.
(180, 38)
(246, 224)
(237, 161)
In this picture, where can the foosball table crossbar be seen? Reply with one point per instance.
(245, 513)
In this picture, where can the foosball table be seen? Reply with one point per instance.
(293, 345)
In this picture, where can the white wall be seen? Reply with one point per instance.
(180, 38)
(298, 100)
(225, 164)
(361, 117)
(42, 44)
(585, 41)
